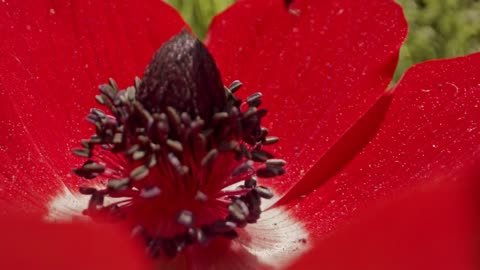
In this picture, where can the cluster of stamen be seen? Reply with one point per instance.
(154, 163)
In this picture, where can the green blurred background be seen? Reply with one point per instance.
(438, 28)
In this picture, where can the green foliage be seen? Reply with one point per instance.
(199, 13)
(438, 28)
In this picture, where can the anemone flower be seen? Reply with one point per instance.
(322, 67)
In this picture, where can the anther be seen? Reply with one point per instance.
(181, 169)
(175, 145)
(201, 197)
(113, 84)
(268, 172)
(260, 155)
(131, 92)
(138, 155)
(243, 168)
(270, 140)
(254, 99)
(197, 235)
(98, 112)
(185, 218)
(209, 157)
(239, 210)
(186, 119)
(173, 116)
(95, 139)
(152, 161)
(147, 117)
(250, 112)
(82, 152)
(137, 82)
(132, 149)
(118, 184)
(86, 144)
(100, 99)
(264, 192)
(263, 132)
(220, 116)
(117, 138)
(275, 162)
(143, 139)
(151, 192)
(93, 167)
(107, 90)
(235, 86)
(139, 173)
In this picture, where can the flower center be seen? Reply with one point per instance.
(178, 152)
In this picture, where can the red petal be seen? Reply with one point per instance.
(430, 129)
(320, 65)
(32, 244)
(433, 227)
(53, 55)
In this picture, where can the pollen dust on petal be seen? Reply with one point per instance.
(276, 239)
(68, 205)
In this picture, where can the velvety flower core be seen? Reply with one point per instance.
(171, 149)
(323, 68)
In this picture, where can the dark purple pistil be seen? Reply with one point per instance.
(183, 75)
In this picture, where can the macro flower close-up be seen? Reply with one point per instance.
(128, 143)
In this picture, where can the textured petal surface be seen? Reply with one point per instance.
(320, 65)
(32, 244)
(432, 227)
(431, 128)
(53, 55)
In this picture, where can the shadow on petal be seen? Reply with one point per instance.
(351, 143)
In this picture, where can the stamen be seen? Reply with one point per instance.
(200, 196)
(182, 152)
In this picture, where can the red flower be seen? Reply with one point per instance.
(323, 67)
